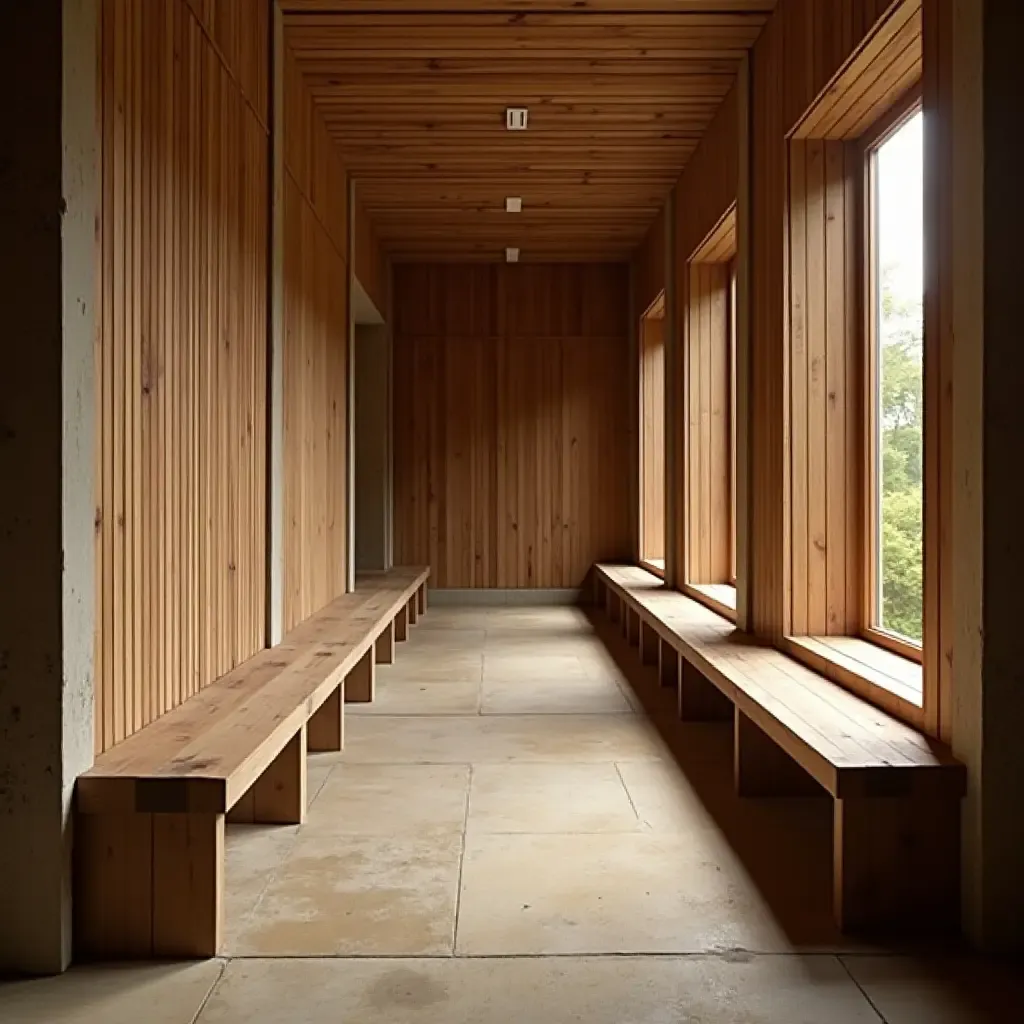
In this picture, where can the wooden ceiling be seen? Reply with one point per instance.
(619, 93)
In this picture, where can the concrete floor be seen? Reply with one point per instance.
(507, 837)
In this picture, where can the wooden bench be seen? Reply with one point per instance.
(149, 839)
(897, 794)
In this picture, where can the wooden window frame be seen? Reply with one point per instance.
(895, 118)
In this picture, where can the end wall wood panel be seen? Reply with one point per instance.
(316, 349)
(511, 421)
(180, 529)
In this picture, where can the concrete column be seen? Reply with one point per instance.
(988, 434)
(48, 208)
(275, 376)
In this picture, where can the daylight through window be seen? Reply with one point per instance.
(897, 329)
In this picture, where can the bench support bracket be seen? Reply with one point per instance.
(278, 796)
(360, 681)
(325, 731)
(149, 885)
(896, 864)
(763, 768)
(386, 645)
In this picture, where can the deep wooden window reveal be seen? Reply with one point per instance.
(709, 420)
(652, 437)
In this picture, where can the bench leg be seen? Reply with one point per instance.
(278, 796)
(668, 665)
(414, 613)
(762, 768)
(188, 884)
(385, 646)
(611, 605)
(402, 624)
(359, 682)
(148, 885)
(649, 644)
(632, 627)
(699, 699)
(325, 730)
(421, 599)
(896, 865)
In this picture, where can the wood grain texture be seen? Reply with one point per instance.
(511, 421)
(826, 407)
(316, 343)
(370, 261)
(803, 46)
(652, 438)
(938, 369)
(706, 192)
(618, 100)
(182, 232)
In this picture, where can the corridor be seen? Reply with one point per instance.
(507, 837)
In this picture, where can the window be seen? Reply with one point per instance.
(895, 331)
(652, 438)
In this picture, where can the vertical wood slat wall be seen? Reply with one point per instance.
(707, 461)
(801, 48)
(316, 317)
(825, 381)
(180, 530)
(511, 421)
(652, 437)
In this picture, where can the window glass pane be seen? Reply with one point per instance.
(899, 254)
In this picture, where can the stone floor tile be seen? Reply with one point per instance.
(391, 800)
(558, 990)
(537, 798)
(345, 895)
(122, 994)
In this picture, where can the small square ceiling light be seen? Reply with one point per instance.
(513, 204)
(511, 255)
(515, 119)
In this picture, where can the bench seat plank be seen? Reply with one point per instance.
(215, 745)
(153, 807)
(836, 731)
(896, 793)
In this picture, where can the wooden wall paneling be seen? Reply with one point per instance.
(510, 416)
(803, 46)
(182, 235)
(885, 64)
(824, 401)
(315, 357)
(652, 437)
(938, 338)
(770, 72)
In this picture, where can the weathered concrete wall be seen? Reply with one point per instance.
(48, 191)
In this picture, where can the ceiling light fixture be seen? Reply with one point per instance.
(513, 204)
(511, 255)
(515, 119)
